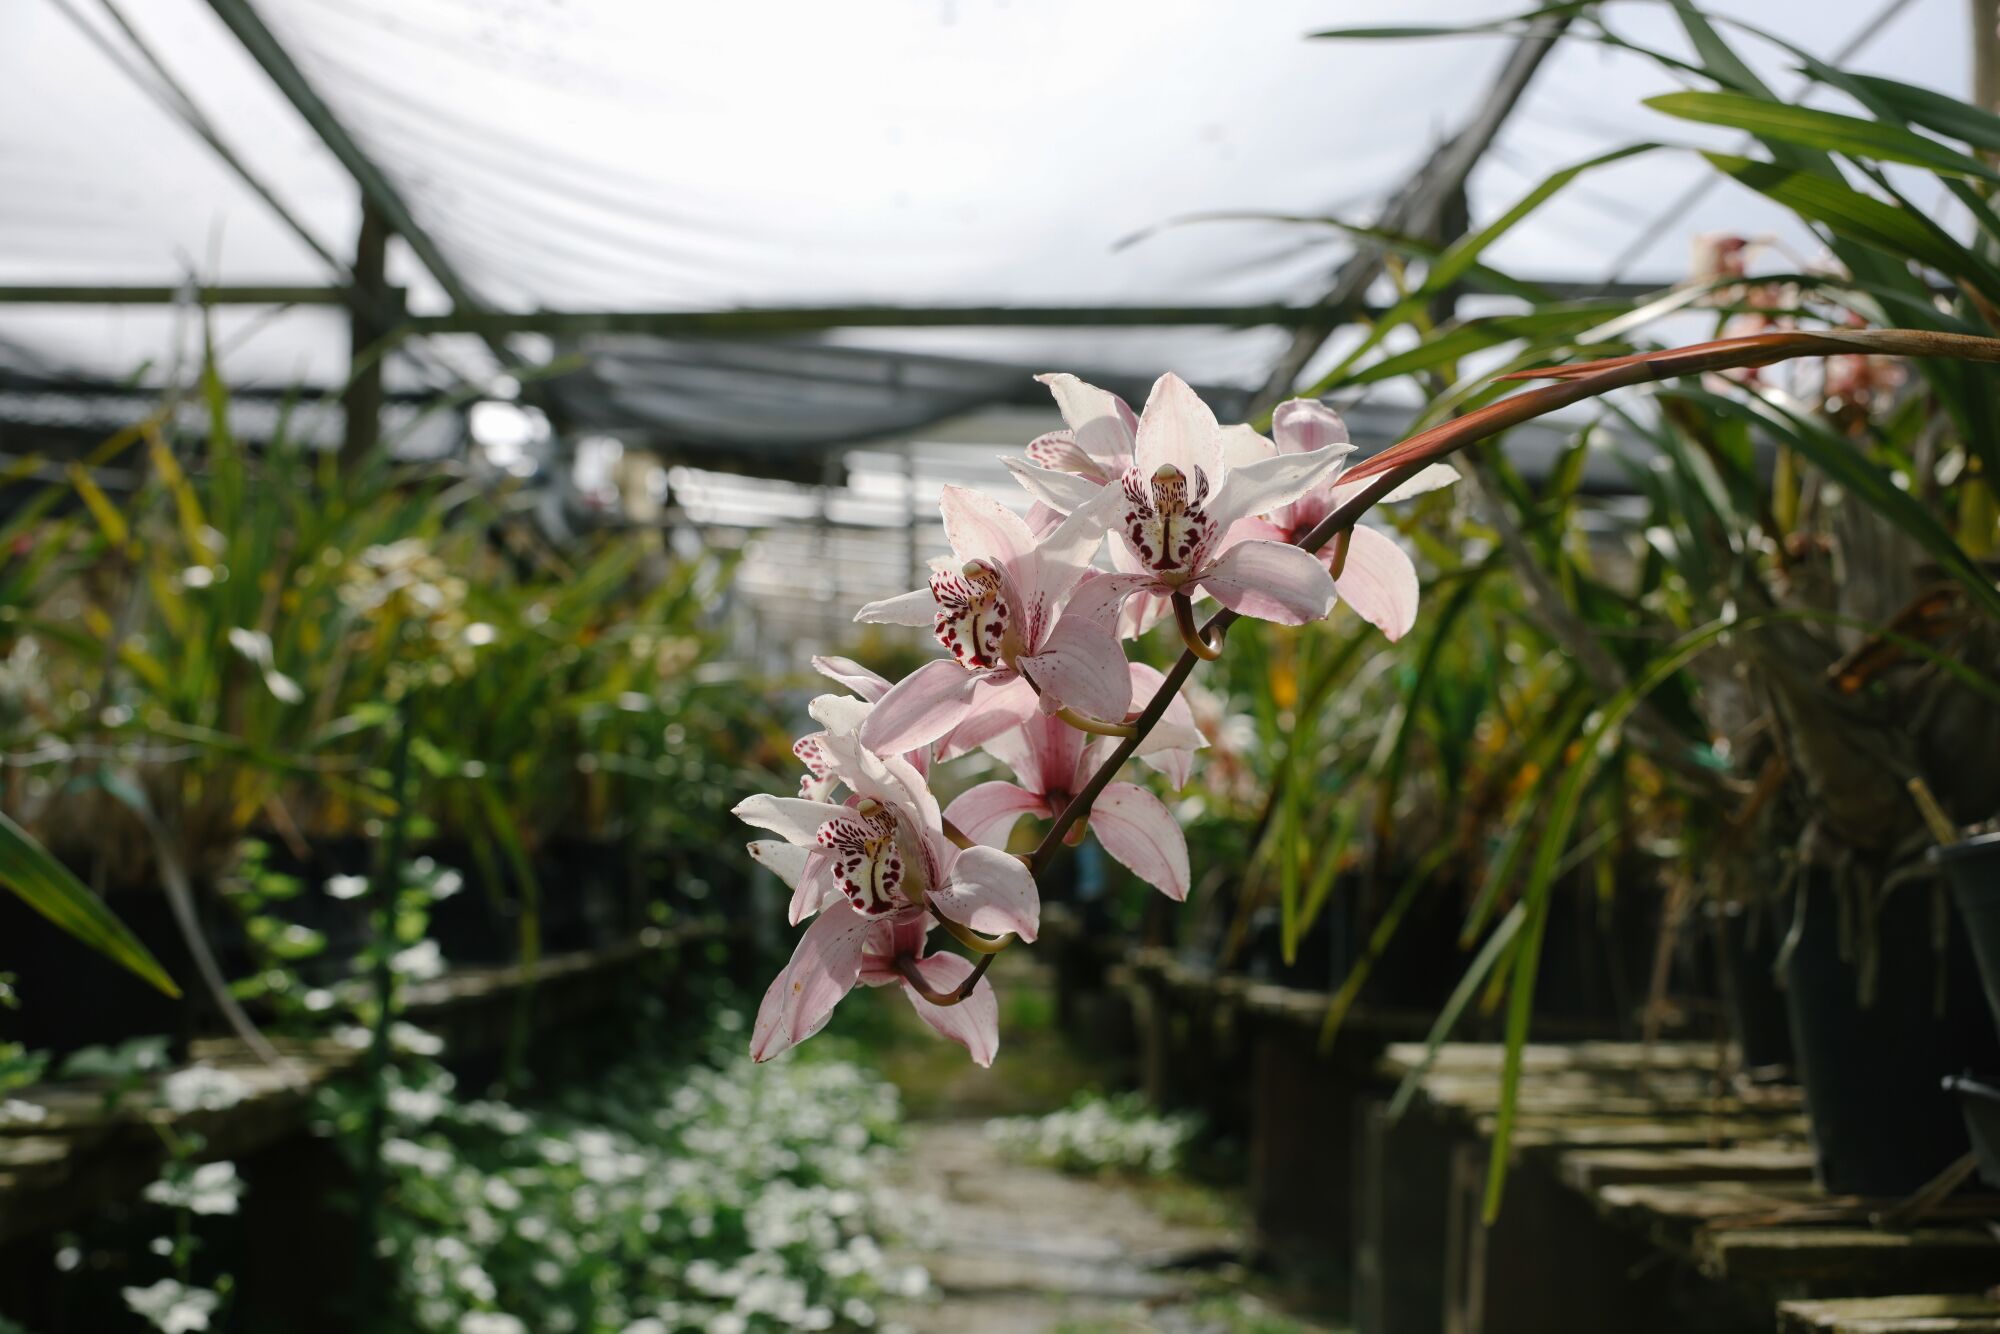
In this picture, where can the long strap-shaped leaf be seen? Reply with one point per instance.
(47, 886)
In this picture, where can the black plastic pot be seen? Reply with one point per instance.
(1755, 1006)
(1973, 868)
(1979, 1103)
(1882, 1122)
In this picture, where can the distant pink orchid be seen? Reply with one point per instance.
(1189, 483)
(1376, 578)
(999, 608)
(1053, 761)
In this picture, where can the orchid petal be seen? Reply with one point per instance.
(1176, 730)
(1379, 582)
(1302, 425)
(816, 891)
(973, 1023)
(1173, 764)
(1178, 429)
(1103, 425)
(981, 528)
(1258, 488)
(1083, 666)
(987, 813)
(790, 818)
(920, 708)
(992, 892)
(823, 968)
(1043, 752)
(999, 704)
(839, 713)
(870, 685)
(889, 779)
(787, 861)
(893, 937)
(1099, 596)
(916, 607)
(1272, 582)
(1141, 833)
(1242, 445)
(1060, 491)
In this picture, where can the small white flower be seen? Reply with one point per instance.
(203, 1088)
(346, 886)
(409, 1038)
(490, 1322)
(420, 962)
(15, 1112)
(171, 1307)
(212, 1188)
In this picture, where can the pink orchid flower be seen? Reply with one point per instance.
(885, 848)
(1053, 761)
(1189, 484)
(1376, 578)
(865, 869)
(999, 608)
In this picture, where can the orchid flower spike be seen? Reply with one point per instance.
(999, 607)
(1052, 762)
(1374, 577)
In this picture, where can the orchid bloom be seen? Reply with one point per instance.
(1189, 483)
(998, 606)
(871, 869)
(1052, 762)
(1374, 576)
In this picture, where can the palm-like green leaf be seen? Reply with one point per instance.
(47, 886)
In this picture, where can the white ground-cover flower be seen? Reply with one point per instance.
(420, 962)
(1097, 1134)
(212, 1188)
(346, 886)
(173, 1307)
(203, 1088)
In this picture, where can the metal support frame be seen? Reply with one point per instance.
(1419, 207)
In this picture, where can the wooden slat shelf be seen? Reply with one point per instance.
(1935, 1314)
(1683, 1161)
(79, 1155)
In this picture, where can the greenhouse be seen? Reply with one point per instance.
(1000, 666)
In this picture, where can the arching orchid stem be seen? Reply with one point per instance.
(957, 835)
(971, 939)
(1192, 638)
(906, 968)
(1393, 466)
(1340, 545)
(1095, 726)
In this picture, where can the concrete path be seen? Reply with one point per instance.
(1017, 1249)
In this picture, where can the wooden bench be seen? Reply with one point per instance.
(1948, 1313)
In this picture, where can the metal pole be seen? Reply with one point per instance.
(361, 402)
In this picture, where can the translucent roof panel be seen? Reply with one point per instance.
(622, 155)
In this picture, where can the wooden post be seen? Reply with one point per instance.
(368, 322)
